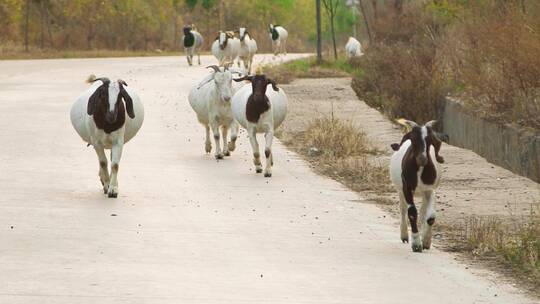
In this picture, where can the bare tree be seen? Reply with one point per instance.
(26, 21)
(365, 17)
(330, 7)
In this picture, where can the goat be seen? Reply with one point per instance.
(248, 48)
(353, 48)
(193, 41)
(279, 35)
(260, 111)
(413, 171)
(99, 117)
(225, 47)
(211, 101)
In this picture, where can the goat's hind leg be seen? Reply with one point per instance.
(428, 218)
(103, 171)
(404, 233)
(234, 135)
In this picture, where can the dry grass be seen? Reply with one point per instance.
(514, 244)
(308, 68)
(339, 150)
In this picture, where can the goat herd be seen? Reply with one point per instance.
(222, 103)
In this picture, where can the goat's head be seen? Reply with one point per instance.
(421, 137)
(222, 78)
(107, 100)
(223, 39)
(242, 32)
(259, 84)
(187, 30)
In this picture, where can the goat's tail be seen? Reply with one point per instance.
(91, 78)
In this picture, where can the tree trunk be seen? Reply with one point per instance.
(319, 42)
(364, 16)
(42, 24)
(26, 21)
(333, 35)
(374, 5)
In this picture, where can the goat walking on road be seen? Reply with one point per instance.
(413, 172)
(193, 41)
(99, 117)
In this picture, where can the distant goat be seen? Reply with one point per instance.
(279, 36)
(226, 47)
(211, 101)
(99, 117)
(353, 48)
(413, 172)
(193, 41)
(260, 111)
(248, 49)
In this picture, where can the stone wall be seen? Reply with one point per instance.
(510, 146)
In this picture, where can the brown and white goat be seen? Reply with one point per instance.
(413, 171)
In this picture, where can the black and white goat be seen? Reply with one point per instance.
(413, 171)
(279, 36)
(248, 48)
(193, 41)
(260, 111)
(99, 117)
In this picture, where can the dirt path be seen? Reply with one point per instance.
(185, 228)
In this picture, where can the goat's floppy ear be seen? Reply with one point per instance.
(127, 99)
(248, 78)
(93, 101)
(273, 83)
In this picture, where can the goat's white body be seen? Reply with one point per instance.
(213, 112)
(195, 49)
(271, 119)
(280, 45)
(229, 53)
(353, 48)
(248, 49)
(427, 192)
(86, 127)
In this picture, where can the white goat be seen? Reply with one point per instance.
(211, 101)
(260, 111)
(413, 172)
(279, 35)
(99, 117)
(193, 41)
(226, 47)
(353, 48)
(248, 49)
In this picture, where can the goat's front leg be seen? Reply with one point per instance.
(116, 154)
(224, 133)
(428, 218)
(234, 135)
(252, 133)
(199, 56)
(403, 225)
(412, 213)
(269, 137)
(215, 129)
(103, 171)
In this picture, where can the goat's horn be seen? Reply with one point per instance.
(430, 123)
(122, 82)
(407, 123)
(213, 67)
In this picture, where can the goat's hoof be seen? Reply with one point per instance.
(258, 170)
(231, 145)
(417, 248)
(267, 174)
(227, 153)
(113, 195)
(405, 240)
(219, 156)
(426, 246)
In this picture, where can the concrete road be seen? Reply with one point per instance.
(186, 228)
